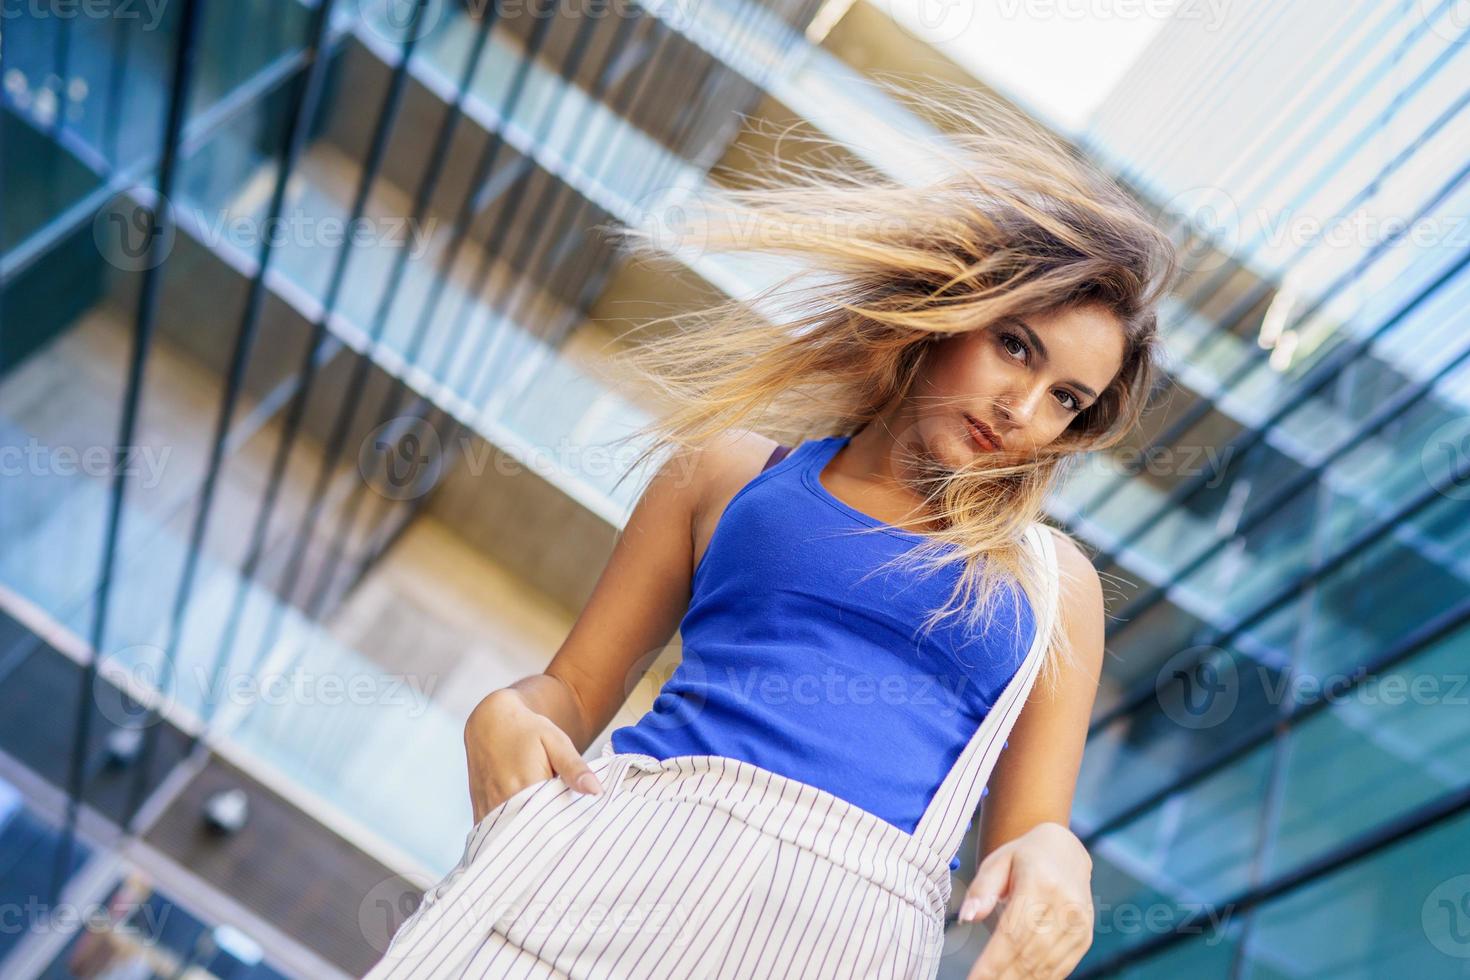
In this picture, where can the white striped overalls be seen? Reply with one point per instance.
(705, 866)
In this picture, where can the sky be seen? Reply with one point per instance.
(1057, 59)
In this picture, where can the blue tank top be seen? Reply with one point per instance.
(799, 658)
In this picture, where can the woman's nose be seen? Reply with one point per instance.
(1020, 408)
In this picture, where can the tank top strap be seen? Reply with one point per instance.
(948, 815)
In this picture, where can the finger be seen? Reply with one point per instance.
(1072, 955)
(992, 880)
(1059, 935)
(1031, 925)
(1015, 926)
(995, 958)
(568, 763)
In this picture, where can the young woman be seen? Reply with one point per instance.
(862, 618)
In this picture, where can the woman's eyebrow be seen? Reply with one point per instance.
(1041, 352)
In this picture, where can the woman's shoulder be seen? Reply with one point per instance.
(1082, 604)
(1079, 579)
(727, 463)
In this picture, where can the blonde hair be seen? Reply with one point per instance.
(1010, 222)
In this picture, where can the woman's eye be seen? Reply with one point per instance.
(1008, 340)
(1070, 402)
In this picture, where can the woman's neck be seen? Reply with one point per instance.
(869, 466)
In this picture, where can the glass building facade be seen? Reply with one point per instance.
(278, 277)
(1277, 764)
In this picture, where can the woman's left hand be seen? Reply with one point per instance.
(1045, 878)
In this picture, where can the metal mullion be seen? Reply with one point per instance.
(307, 372)
(158, 220)
(482, 274)
(116, 79)
(1326, 370)
(347, 410)
(1365, 845)
(537, 269)
(1204, 81)
(1238, 312)
(1288, 591)
(690, 116)
(204, 127)
(428, 183)
(298, 124)
(1407, 647)
(1387, 413)
(494, 243)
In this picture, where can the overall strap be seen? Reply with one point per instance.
(950, 811)
(777, 454)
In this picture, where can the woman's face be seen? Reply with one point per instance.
(1025, 379)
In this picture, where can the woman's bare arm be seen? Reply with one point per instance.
(1035, 777)
(644, 590)
(1028, 854)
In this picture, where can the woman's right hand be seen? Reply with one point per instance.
(509, 746)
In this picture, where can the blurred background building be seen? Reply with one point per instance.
(302, 444)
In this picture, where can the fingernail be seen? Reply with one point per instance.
(967, 908)
(587, 783)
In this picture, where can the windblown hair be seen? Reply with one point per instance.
(998, 218)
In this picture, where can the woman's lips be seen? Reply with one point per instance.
(982, 434)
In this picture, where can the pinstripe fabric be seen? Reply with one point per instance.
(705, 866)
